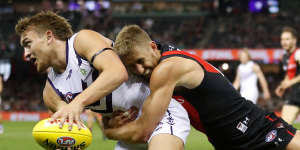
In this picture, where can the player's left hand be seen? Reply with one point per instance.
(70, 113)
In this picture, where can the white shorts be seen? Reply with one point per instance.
(175, 122)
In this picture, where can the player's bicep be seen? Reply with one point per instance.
(87, 43)
(95, 48)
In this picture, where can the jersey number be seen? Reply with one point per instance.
(102, 106)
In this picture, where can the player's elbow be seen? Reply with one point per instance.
(122, 75)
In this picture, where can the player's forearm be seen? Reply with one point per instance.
(128, 133)
(295, 80)
(54, 105)
(264, 84)
(101, 87)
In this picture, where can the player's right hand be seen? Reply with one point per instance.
(69, 113)
(120, 118)
(279, 91)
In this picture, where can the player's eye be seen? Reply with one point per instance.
(27, 44)
(140, 61)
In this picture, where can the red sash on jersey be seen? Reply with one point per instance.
(193, 114)
(292, 66)
(205, 64)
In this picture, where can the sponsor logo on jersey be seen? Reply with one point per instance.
(242, 127)
(246, 121)
(68, 97)
(83, 71)
(279, 125)
(65, 141)
(271, 136)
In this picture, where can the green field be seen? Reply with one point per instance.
(17, 136)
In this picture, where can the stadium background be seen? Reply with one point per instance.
(216, 30)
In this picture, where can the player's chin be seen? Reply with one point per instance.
(41, 69)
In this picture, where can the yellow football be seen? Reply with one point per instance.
(50, 136)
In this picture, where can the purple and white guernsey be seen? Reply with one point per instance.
(80, 73)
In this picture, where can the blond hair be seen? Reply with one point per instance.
(129, 38)
(43, 21)
(290, 30)
(246, 51)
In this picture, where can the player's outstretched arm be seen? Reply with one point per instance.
(51, 99)
(112, 74)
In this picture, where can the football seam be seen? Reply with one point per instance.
(64, 132)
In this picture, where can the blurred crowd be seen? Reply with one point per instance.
(186, 25)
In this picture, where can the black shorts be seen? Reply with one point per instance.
(269, 133)
(293, 95)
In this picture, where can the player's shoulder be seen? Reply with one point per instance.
(85, 35)
(174, 66)
(255, 67)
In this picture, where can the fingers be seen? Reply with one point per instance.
(70, 121)
(78, 121)
(55, 116)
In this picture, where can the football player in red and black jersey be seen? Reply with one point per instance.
(289, 88)
(216, 108)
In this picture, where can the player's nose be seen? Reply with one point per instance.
(27, 54)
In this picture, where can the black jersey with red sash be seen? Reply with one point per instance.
(215, 107)
(290, 64)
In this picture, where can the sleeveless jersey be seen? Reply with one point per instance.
(215, 107)
(248, 78)
(248, 81)
(79, 74)
(290, 64)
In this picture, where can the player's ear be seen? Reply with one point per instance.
(49, 36)
(153, 45)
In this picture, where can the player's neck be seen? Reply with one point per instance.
(59, 62)
(292, 49)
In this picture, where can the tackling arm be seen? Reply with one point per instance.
(163, 80)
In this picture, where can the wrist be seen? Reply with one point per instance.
(60, 105)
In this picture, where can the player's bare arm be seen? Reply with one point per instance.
(262, 80)
(279, 91)
(236, 82)
(51, 99)
(113, 74)
(170, 73)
